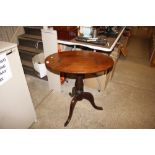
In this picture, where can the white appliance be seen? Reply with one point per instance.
(16, 107)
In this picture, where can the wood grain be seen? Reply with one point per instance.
(78, 62)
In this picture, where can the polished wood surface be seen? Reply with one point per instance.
(78, 62)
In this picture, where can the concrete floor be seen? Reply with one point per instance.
(128, 101)
(38, 89)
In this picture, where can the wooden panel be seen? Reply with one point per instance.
(152, 50)
(152, 59)
(66, 32)
(142, 31)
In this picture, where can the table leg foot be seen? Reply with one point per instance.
(88, 96)
(72, 105)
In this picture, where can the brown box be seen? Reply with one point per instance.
(98, 81)
(66, 32)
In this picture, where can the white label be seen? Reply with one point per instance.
(5, 72)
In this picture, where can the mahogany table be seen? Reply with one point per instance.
(79, 63)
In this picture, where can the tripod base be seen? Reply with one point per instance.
(78, 94)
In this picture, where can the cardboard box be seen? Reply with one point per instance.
(97, 81)
(100, 80)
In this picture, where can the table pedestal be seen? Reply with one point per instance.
(78, 94)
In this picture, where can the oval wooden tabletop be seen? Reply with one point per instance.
(78, 62)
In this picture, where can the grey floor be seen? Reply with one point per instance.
(38, 89)
(128, 101)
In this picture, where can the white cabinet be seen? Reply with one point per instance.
(16, 107)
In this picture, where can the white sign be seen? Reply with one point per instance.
(5, 72)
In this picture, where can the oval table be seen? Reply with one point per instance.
(79, 63)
